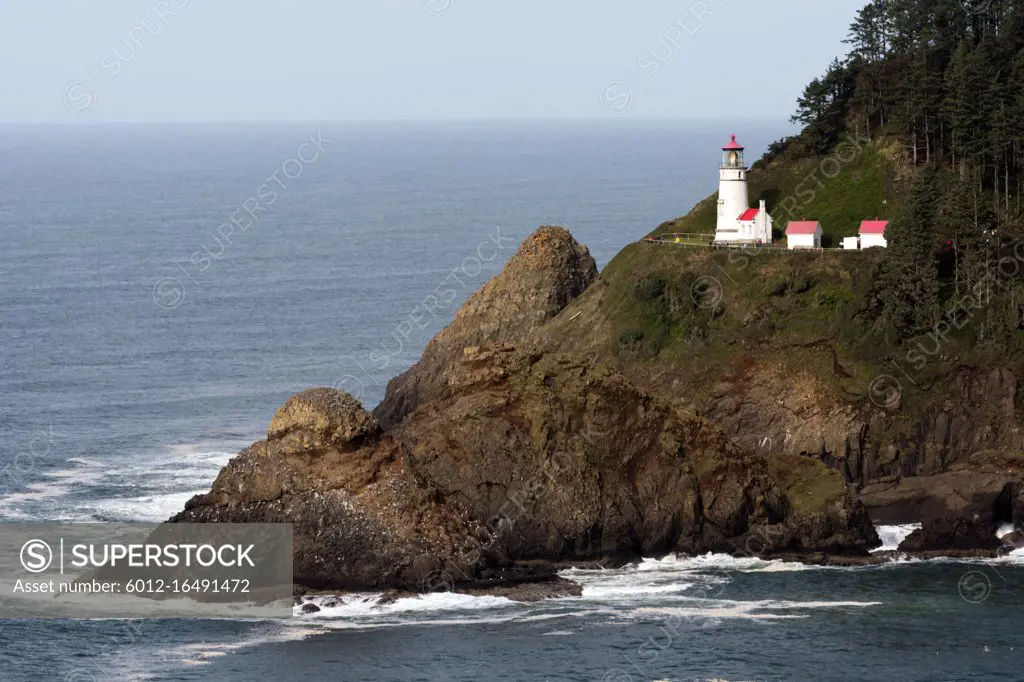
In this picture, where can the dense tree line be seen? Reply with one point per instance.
(945, 77)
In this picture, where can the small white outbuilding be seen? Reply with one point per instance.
(851, 243)
(872, 233)
(804, 234)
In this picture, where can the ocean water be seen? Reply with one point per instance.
(145, 338)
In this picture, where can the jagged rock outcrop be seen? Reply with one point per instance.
(842, 528)
(361, 521)
(944, 463)
(548, 271)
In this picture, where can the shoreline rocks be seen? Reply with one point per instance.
(952, 534)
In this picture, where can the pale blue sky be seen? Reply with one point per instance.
(278, 60)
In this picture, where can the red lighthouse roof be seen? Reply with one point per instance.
(733, 144)
(874, 226)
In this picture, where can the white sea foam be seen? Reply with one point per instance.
(714, 614)
(1016, 557)
(892, 536)
(624, 589)
(721, 562)
(148, 508)
(673, 585)
(370, 605)
(14, 506)
(785, 604)
(152, 489)
(750, 610)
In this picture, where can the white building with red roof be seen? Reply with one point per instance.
(872, 233)
(804, 234)
(737, 222)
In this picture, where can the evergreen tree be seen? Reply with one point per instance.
(965, 217)
(824, 106)
(955, 108)
(1017, 124)
(868, 34)
(945, 78)
(909, 287)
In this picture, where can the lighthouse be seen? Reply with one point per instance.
(737, 221)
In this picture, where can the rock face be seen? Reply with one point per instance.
(983, 494)
(361, 521)
(936, 467)
(548, 272)
(564, 459)
(951, 533)
(785, 375)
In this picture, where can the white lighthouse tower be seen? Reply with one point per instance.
(737, 222)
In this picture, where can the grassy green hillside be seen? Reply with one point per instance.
(681, 305)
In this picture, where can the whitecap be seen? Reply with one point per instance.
(623, 589)
(366, 605)
(140, 489)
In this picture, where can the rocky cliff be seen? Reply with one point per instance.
(503, 461)
(773, 349)
(566, 459)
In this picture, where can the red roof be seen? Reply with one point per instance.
(874, 226)
(733, 144)
(803, 227)
(749, 215)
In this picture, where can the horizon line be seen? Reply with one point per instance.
(593, 119)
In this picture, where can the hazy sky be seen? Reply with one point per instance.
(269, 60)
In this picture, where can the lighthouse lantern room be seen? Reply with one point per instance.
(737, 222)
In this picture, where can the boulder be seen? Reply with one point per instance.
(331, 416)
(1013, 540)
(951, 533)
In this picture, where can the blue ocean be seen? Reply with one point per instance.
(165, 288)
